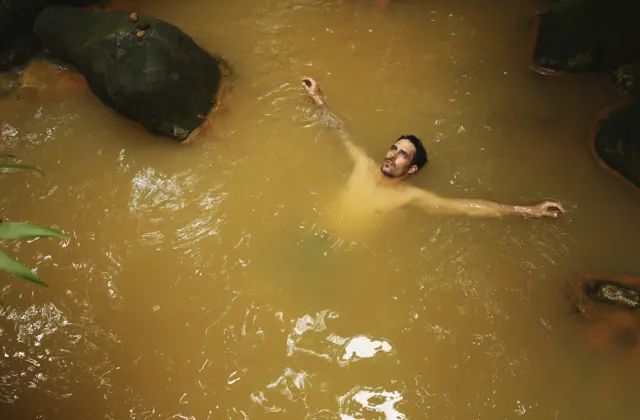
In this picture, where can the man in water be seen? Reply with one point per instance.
(374, 190)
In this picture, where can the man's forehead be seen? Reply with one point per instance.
(405, 145)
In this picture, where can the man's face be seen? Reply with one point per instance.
(397, 163)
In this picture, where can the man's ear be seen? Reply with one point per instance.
(413, 169)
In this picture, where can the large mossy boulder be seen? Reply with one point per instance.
(142, 67)
(581, 35)
(617, 141)
(17, 41)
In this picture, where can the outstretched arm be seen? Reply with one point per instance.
(481, 208)
(328, 118)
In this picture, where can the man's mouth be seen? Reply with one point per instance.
(389, 162)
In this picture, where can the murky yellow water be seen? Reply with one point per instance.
(193, 286)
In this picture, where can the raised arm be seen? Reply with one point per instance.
(331, 120)
(433, 203)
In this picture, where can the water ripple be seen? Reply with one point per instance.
(362, 403)
(151, 190)
(329, 346)
(45, 342)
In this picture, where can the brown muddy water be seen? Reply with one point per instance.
(196, 284)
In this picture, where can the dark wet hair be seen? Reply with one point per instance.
(420, 158)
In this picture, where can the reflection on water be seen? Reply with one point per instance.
(290, 384)
(329, 346)
(369, 404)
(319, 342)
(196, 284)
(363, 348)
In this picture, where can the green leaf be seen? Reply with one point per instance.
(13, 267)
(19, 166)
(7, 156)
(10, 230)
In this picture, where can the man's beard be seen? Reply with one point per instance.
(391, 167)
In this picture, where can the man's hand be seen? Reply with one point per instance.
(547, 209)
(313, 90)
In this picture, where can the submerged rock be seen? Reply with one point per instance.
(41, 81)
(617, 142)
(9, 83)
(579, 35)
(614, 293)
(611, 307)
(142, 67)
(598, 295)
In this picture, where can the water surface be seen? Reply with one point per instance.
(194, 285)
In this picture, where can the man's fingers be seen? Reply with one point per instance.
(552, 210)
(553, 206)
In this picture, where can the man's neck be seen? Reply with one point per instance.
(388, 181)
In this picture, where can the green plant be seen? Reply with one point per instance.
(10, 230)
(4, 165)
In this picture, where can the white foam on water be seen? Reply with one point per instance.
(384, 404)
(361, 347)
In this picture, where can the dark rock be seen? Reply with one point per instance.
(608, 310)
(158, 76)
(17, 41)
(600, 296)
(627, 78)
(17, 48)
(9, 83)
(579, 35)
(613, 293)
(13, 12)
(617, 142)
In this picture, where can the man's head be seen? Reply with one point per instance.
(405, 157)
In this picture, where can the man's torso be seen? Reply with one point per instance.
(363, 204)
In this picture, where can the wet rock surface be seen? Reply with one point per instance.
(9, 83)
(585, 35)
(617, 141)
(610, 309)
(17, 48)
(144, 68)
(627, 78)
(614, 293)
(17, 41)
